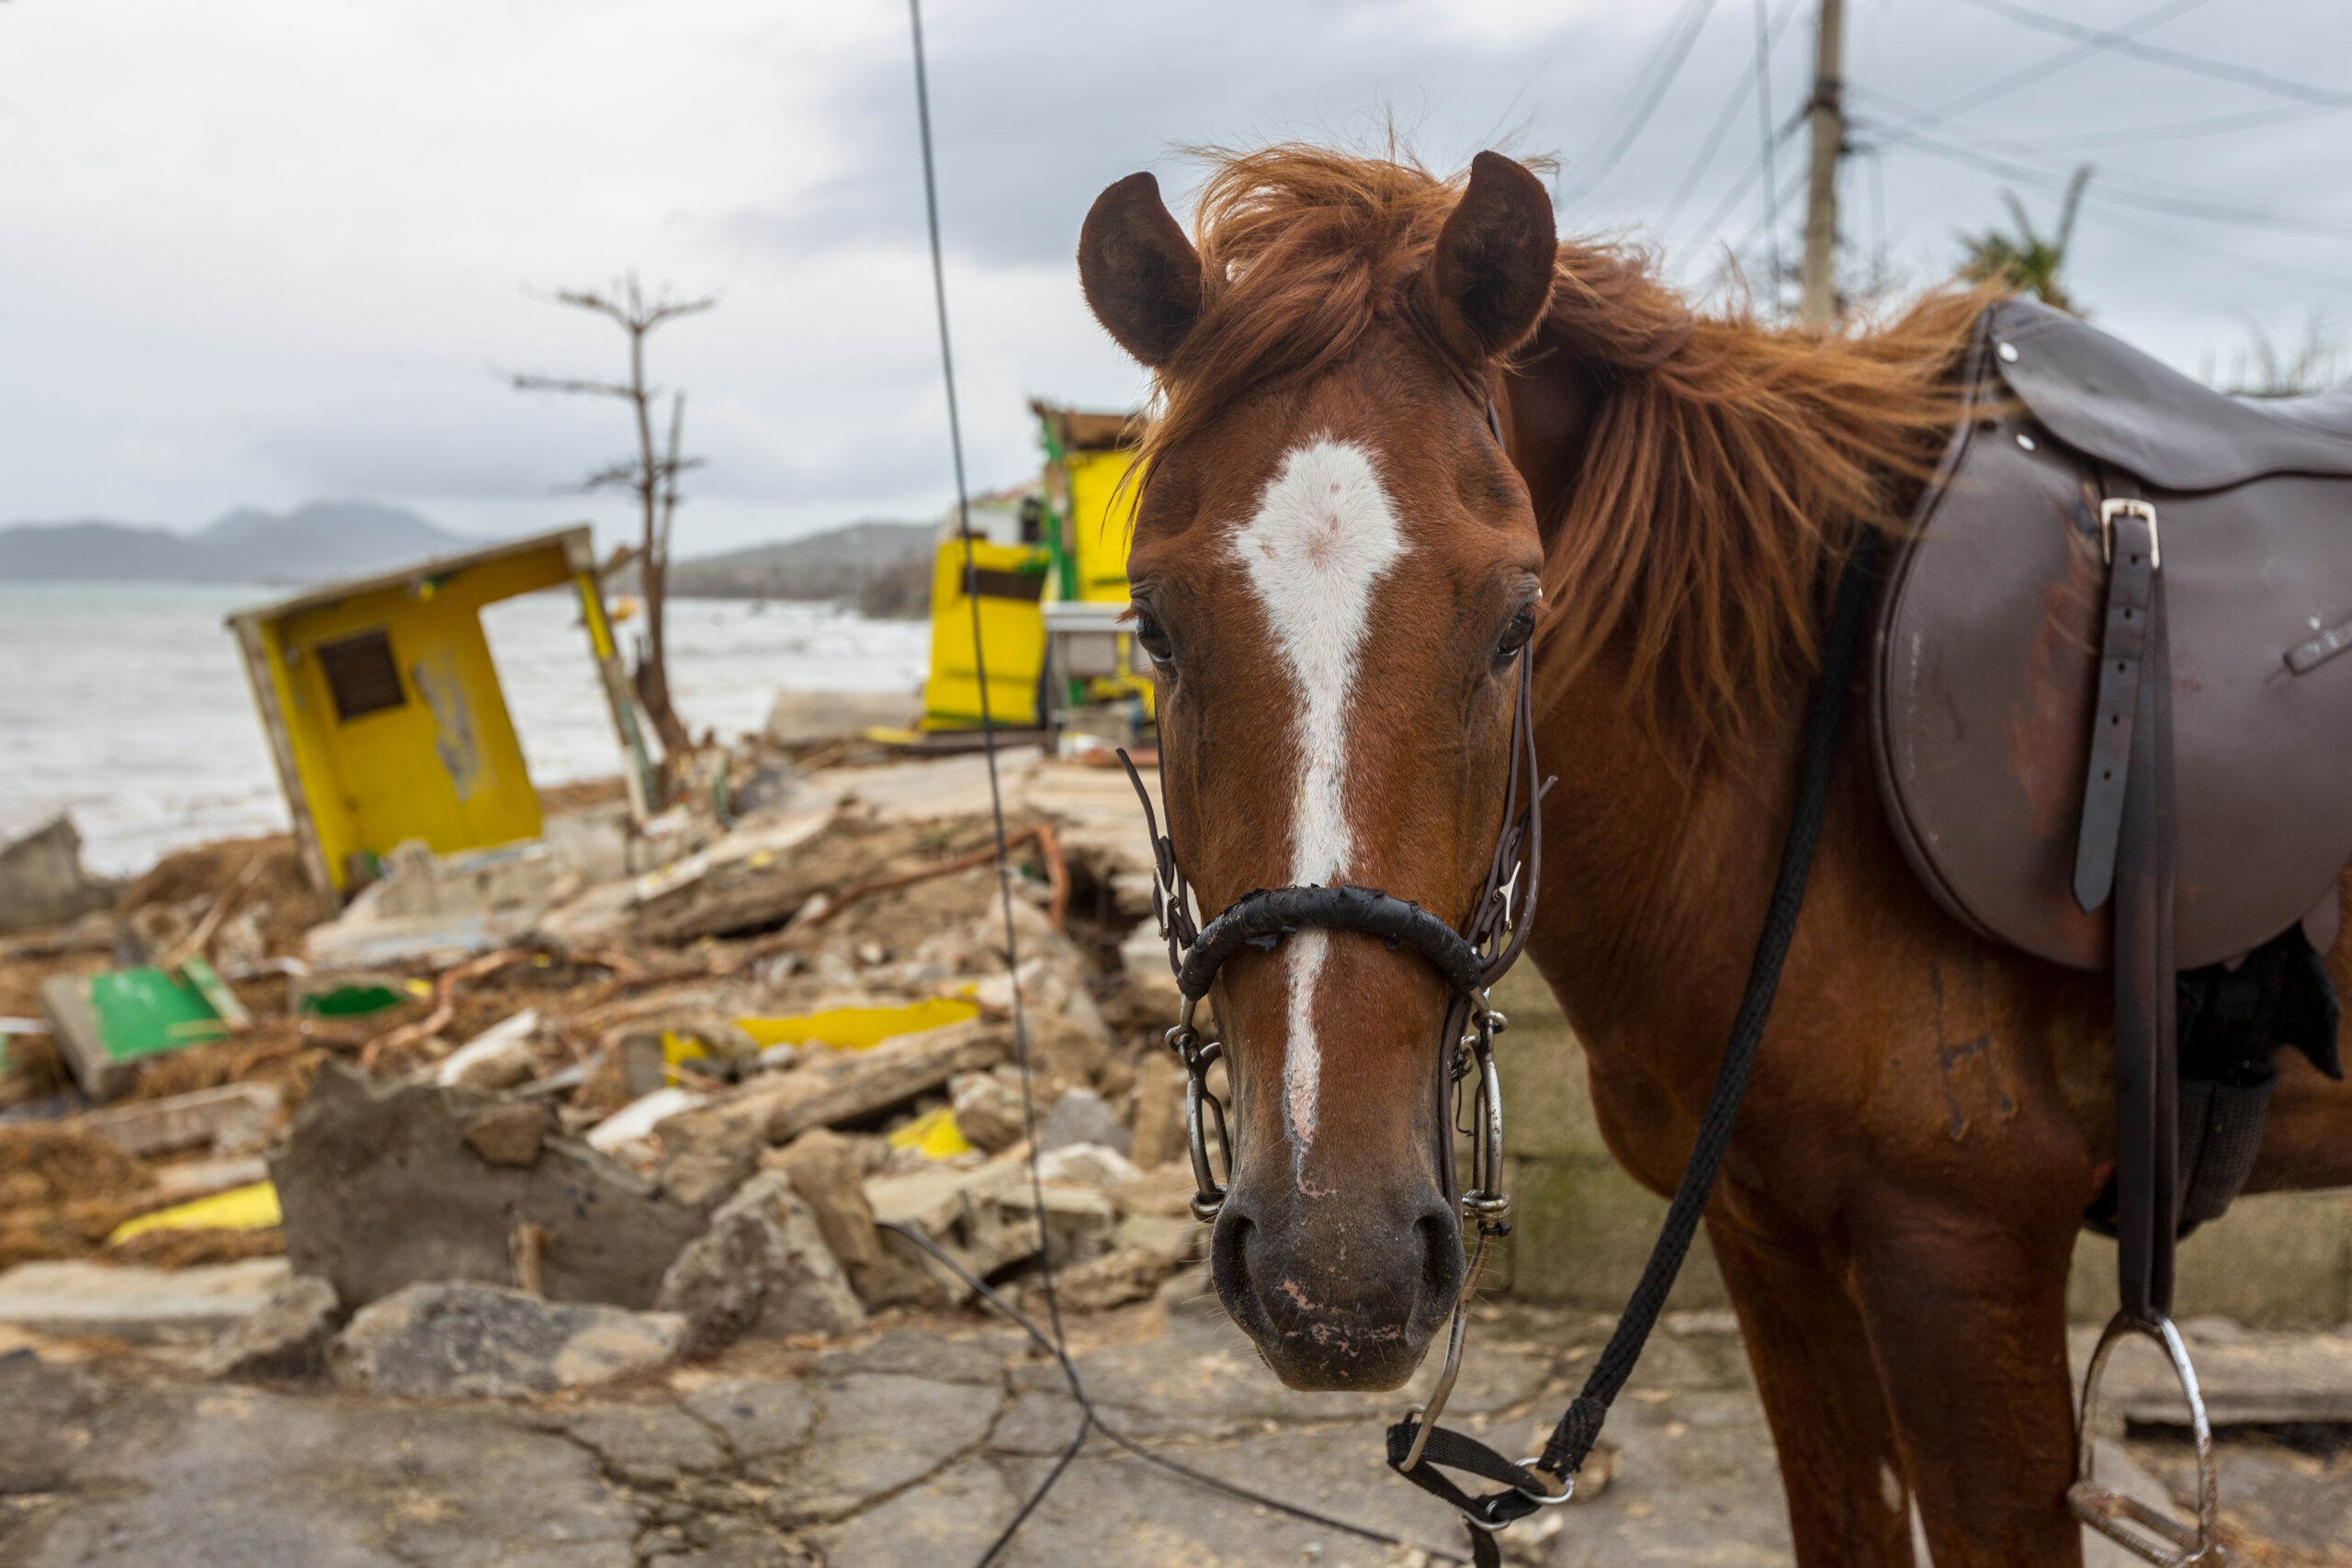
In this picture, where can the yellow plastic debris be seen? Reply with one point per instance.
(253, 1208)
(676, 1048)
(934, 1134)
(859, 1028)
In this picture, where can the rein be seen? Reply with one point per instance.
(1471, 960)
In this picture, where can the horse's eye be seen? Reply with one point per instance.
(1154, 638)
(1515, 635)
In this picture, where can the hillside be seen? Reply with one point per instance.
(318, 543)
(882, 568)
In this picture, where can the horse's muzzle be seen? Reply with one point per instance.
(1340, 1296)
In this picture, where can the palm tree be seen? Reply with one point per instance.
(2026, 261)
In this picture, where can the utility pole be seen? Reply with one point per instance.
(1817, 312)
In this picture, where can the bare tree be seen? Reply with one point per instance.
(653, 475)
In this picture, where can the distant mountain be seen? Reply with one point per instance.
(882, 568)
(318, 543)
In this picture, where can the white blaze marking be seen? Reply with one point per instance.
(1323, 536)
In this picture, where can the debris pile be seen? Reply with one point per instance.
(528, 1117)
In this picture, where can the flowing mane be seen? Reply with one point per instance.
(1727, 463)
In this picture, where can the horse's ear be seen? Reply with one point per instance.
(1491, 274)
(1141, 275)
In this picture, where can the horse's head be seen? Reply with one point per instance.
(1335, 567)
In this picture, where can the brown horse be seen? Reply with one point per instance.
(1334, 563)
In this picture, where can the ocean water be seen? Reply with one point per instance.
(125, 704)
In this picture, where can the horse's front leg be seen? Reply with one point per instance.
(1848, 1506)
(1966, 1307)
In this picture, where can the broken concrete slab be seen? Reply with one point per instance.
(952, 1517)
(645, 1444)
(380, 1188)
(755, 877)
(761, 1270)
(832, 1087)
(1086, 1165)
(876, 1432)
(762, 1419)
(43, 882)
(917, 1354)
(1081, 1116)
(429, 1341)
(509, 1134)
(1158, 1132)
(215, 1476)
(232, 1119)
(828, 1172)
(988, 1109)
(167, 1306)
(1122, 1275)
(45, 1411)
(183, 1183)
(286, 1338)
(958, 1209)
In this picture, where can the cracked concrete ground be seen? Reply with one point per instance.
(912, 1450)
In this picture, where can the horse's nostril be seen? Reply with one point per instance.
(1441, 1264)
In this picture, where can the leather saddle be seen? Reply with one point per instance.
(1987, 667)
(2112, 703)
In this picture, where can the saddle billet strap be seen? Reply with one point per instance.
(2122, 664)
(2147, 1086)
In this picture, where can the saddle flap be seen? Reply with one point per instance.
(1986, 675)
(2109, 400)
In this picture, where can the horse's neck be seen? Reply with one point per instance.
(1655, 874)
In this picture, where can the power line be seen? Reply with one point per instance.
(1764, 140)
(2228, 258)
(2091, 141)
(1914, 118)
(2177, 202)
(2179, 60)
(1746, 182)
(2052, 64)
(1664, 66)
(1747, 83)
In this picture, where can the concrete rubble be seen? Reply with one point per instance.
(565, 1072)
(285, 1337)
(43, 882)
(385, 1186)
(599, 1143)
(139, 1307)
(433, 1341)
(762, 1267)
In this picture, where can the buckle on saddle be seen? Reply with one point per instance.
(2146, 1533)
(2116, 506)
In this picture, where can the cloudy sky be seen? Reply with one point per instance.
(260, 252)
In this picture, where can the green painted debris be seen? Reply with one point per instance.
(107, 1024)
(351, 1001)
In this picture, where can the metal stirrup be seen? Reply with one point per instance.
(2132, 1525)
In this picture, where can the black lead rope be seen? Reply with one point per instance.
(1572, 1439)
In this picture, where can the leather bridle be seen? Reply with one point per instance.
(1471, 960)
